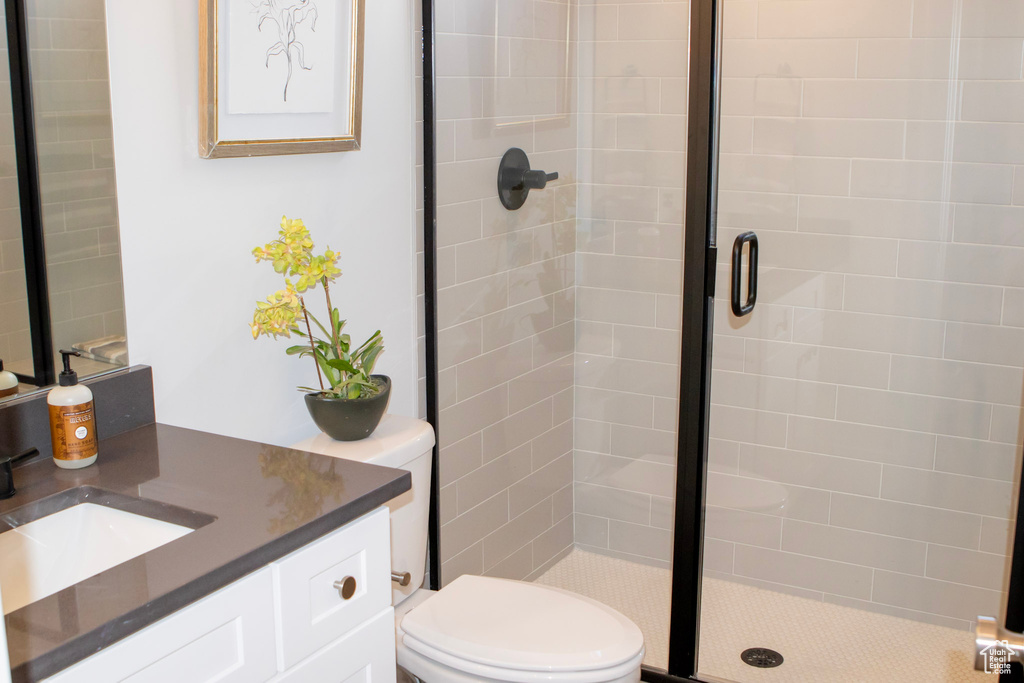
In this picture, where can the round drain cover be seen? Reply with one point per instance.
(761, 657)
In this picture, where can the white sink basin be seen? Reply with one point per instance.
(57, 551)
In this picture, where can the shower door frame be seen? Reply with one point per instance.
(433, 399)
(698, 299)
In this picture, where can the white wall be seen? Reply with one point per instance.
(188, 225)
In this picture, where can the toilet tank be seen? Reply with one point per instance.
(403, 443)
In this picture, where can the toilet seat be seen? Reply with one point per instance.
(517, 631)
(441, 668)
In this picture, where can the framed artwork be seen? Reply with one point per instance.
(279, 76)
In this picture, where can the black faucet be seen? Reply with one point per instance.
(7, 471)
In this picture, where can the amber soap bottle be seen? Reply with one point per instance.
(72, 420)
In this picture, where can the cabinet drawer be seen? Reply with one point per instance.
(226, 637)
(366, 655)
(312, 612)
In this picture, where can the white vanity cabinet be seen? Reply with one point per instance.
(321, 614)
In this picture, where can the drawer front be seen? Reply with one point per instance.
(366, 655)
(312, 611)
(227, 637)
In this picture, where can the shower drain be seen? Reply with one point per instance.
(761, 657)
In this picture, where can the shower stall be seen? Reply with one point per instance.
(789, 434)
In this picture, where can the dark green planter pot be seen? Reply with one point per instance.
(349, 419)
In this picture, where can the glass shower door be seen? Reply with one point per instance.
(557, 319)
(865, 420)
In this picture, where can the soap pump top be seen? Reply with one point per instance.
(68, 377)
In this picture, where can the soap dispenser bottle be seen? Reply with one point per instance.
(72, 419)
(8, 382)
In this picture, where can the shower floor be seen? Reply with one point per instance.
(819, 641)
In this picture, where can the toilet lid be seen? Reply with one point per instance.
(522, 626)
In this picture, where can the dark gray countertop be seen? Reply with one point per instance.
(267, 501)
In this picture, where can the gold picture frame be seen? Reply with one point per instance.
(213, 146)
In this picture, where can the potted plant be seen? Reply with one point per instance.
(351, 403)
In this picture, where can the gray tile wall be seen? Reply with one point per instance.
(506, 312)
(75, 136)
(866, 421)
(559, 325)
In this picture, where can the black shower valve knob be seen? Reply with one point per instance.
(516, 179)
(537, 180)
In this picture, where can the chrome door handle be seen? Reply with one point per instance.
(994, 646)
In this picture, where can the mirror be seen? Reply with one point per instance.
(60, 265)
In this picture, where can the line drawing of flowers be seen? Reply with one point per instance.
(286, 15)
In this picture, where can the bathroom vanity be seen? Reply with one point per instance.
(278, 570)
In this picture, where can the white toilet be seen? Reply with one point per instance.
(479, 628)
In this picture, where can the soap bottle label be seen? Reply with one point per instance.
(73, 431)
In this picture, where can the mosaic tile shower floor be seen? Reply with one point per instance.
(819, 641)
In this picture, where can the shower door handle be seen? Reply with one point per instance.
(741, 308)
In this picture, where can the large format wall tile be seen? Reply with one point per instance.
(904, 520)
(795, 397)
(736, 488)
(834, 19)
(810, 469)
(810, 572)
(936, 597)
(976, 458)
(783, 58)
(855, 547)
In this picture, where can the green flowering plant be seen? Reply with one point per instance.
(346, 368)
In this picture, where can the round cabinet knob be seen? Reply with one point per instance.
(401, 578)
(346, 587)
